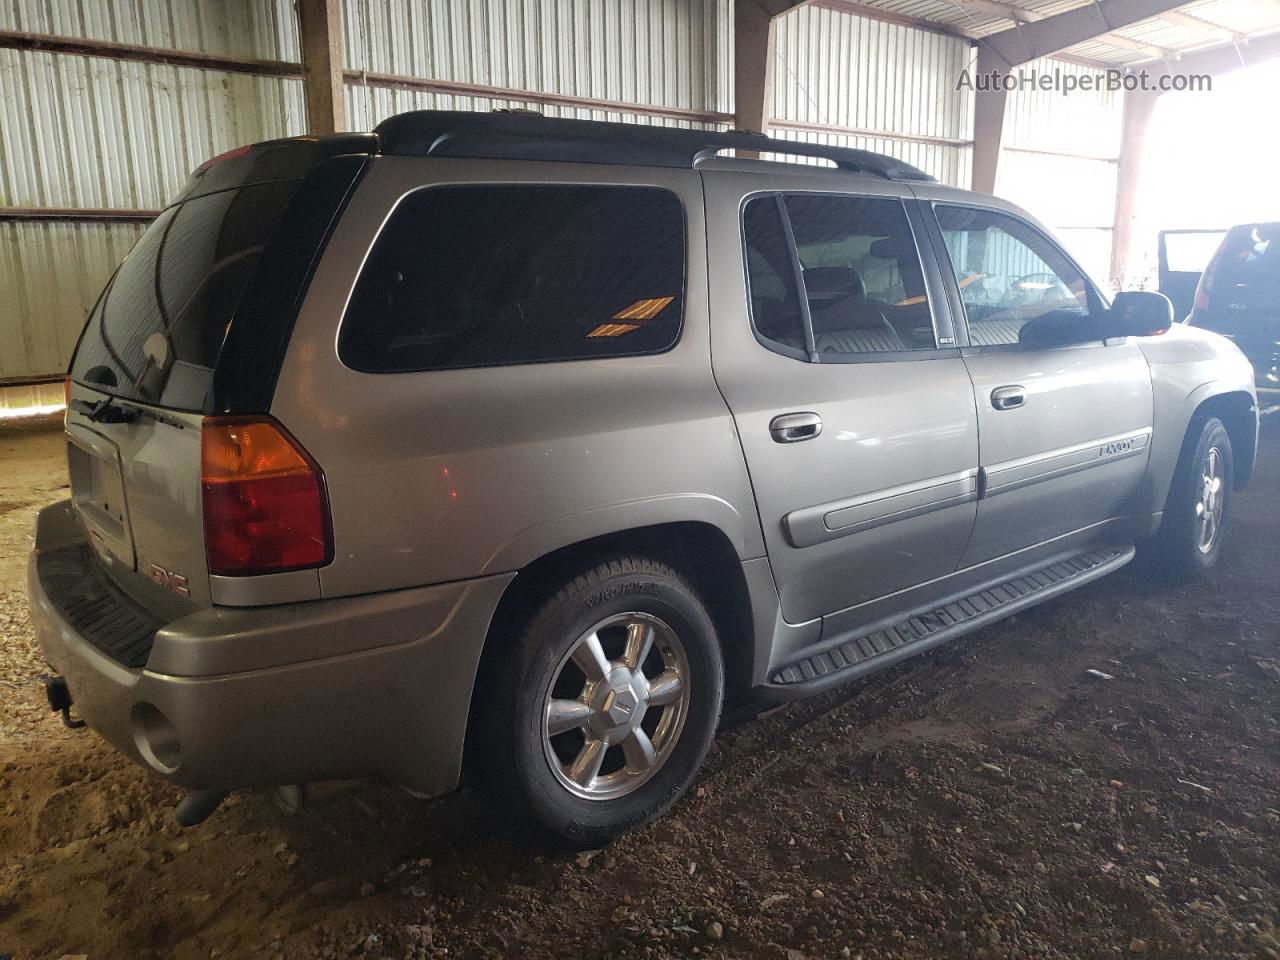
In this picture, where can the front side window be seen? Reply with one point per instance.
(847, 267)
(474, 276)
(1008, 273)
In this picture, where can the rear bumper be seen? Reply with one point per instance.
(376, 685)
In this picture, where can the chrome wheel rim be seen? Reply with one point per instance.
(616, 705)
(1210, 503)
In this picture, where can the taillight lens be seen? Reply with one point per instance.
(265, 506)
(1206, 278)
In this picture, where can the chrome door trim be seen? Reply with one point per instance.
(829, 521)
(1010, 475)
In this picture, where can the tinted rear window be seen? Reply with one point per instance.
(158, 329)
(1250, 255)
(487, 275)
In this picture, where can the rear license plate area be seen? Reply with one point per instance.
(97, 491)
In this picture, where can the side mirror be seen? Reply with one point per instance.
(1138, 313)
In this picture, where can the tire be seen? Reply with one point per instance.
(1195, 517)
(552, 777)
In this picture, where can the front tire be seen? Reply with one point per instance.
(1196, 513)
(599, 717)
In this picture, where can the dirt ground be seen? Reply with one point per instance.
(993, 799)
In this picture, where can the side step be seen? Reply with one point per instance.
(850, 657)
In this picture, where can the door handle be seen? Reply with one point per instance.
(793, 427)
(1009, 398)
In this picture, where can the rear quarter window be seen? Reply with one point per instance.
(476, 276)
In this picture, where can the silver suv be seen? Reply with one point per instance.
(512, 444)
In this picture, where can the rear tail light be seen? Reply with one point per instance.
(265, 506)
(1206, 278)
(66, 398)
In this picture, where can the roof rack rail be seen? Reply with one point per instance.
(531, 136)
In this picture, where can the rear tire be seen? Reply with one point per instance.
(597, 719)
(1196, 513)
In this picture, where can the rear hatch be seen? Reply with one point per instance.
(194, 323)
(1239, 295)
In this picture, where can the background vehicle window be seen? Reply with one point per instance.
(862, 274)
(482, 276)
(771, 276)
(1008, 273)
(1245, 273)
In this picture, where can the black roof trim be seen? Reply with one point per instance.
(531, 136)
(291, 158)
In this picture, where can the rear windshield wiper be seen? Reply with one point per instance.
(105, 410)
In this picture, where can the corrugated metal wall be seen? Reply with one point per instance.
(1059, 161)
(837, 69)
(91, 132)
(657, 52)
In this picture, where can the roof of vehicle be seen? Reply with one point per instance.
(531, 136)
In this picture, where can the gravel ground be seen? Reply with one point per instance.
(994, 799)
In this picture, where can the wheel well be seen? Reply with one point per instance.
(1237, 413)
(699, 551)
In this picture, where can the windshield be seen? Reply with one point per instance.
(157, 330)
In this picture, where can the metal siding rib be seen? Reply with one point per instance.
(839, 69)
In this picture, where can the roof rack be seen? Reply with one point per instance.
(531, 136)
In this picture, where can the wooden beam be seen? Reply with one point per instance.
(1138, 108)
(86, 47)
(891, 16)
(395, 81)
(1043, 38)
(1009, 11)
(933, 26)
(320, 30)
(1222, 59)
(1180, 19)
(1137, 46)
(988, 124)
(753, 56)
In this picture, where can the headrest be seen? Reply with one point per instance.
(892, 248)
(834, 282)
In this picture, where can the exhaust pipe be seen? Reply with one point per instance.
(196, 806)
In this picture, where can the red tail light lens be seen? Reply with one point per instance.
(265, 506)
(1205, 285)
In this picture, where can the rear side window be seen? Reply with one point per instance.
(843, 269)
(771, 277)
(158, 328)
(862, 275)
(475, 276)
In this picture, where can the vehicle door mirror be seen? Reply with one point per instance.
(1138, 313)
(1060, 328)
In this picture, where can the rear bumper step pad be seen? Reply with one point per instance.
(97, 609)
(924, 629)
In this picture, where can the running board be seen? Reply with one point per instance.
(863, 653)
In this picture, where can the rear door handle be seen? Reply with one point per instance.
(793, 427)
(1009, 398)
